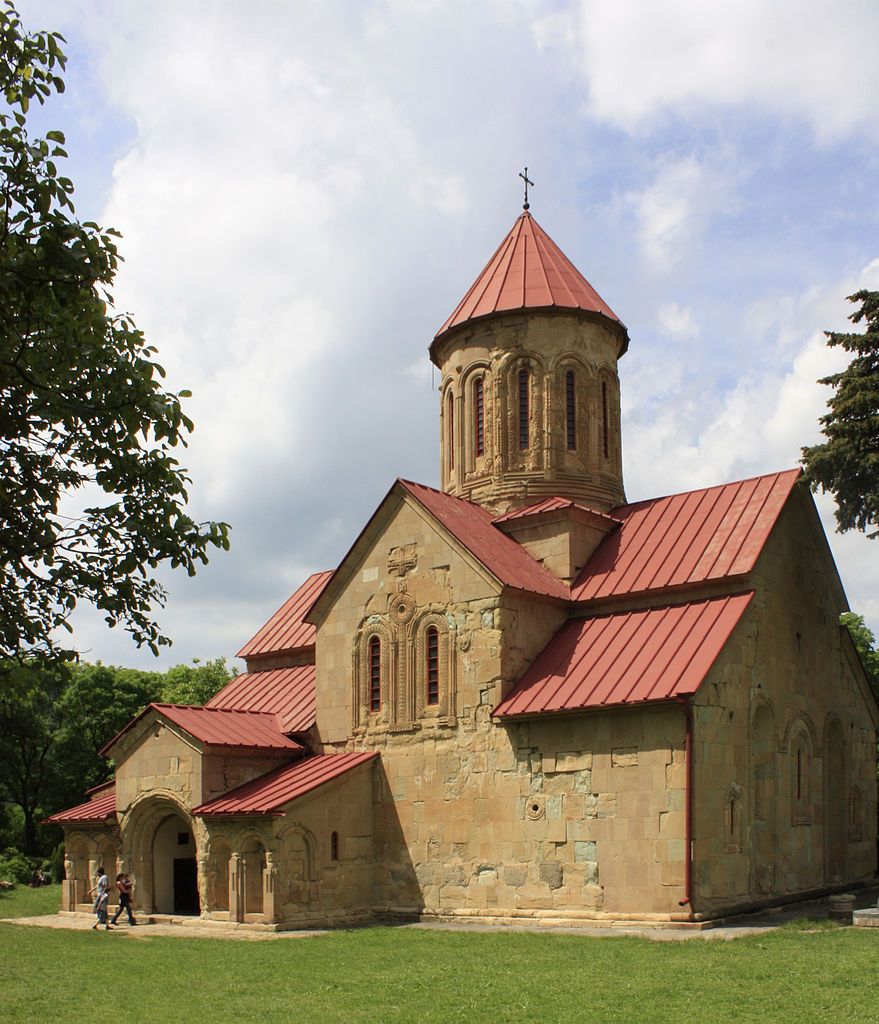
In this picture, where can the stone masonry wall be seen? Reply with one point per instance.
(785, 741)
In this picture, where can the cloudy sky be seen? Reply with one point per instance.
(306, 190)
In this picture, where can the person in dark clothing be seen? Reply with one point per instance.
(124, 887)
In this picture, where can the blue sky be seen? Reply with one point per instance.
(306, 191)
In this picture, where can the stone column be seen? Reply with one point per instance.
(235, 901)
(204, 892)
(268, 892)
(68, 887)
(92, 878)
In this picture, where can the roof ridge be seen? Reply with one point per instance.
(709, 487)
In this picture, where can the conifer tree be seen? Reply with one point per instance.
(847, 463)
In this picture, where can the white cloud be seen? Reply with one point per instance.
(677, 321)
(811, 59)
(674, 210)
(306, 191)
(685, 425)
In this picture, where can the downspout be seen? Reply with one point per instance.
(687, 901)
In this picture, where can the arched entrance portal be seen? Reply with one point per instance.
(253, 858)
(175, 868)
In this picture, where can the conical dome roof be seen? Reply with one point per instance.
(528, 271)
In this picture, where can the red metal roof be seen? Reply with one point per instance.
(686, 538)
(528, 271)
(551, 505)
(97, 810)
(269, 793)
(286, 630)
(627, 657)
(220, 727)
(287, 693)
(473, 526)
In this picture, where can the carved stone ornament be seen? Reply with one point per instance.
(402, 559)
(464, 642)
(535, 806)
(401, 607)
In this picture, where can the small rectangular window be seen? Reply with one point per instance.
(605, 421)
(524, 411)
(479, 416)
(375, 674)
(432, 665)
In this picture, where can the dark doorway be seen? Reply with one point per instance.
(186, 886)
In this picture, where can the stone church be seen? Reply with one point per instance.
(519, 697)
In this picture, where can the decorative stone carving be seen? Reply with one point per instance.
(402, 559)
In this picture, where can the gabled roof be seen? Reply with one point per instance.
(626, 658)
(269, 793)
(94, 811)
(528, 271)
(473, 527)
(554, 505)
(547, 505)
(287, 693)
(709, 534)
(219, 728)
(286, 630)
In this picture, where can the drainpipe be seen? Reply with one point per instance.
(687, 901)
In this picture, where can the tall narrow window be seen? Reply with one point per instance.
(479, 415)
(432, 663)
(799, 779)
(334, 846)
(523, 409)
(605, 441)
(570, 411)
(375, 674)
(450, 416)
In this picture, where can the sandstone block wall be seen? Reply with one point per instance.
(785, 741)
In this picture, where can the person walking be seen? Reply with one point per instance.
(124, 887)
(102, 898)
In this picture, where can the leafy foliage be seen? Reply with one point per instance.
(195, 683)
(865, 644)
(55, 718)
(92, 499)
(847, 463)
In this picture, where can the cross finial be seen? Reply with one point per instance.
(528, 182)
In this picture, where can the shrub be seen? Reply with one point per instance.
(53, 865)
(15, 867)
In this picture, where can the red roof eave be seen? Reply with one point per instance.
(528, 271)
(267, 795)
(627, 658)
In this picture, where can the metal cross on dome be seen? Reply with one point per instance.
(528, 182)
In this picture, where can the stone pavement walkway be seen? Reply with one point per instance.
(751, 924)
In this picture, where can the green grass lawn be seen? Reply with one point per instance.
(399, 974)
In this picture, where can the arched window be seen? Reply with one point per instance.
(801, 803)
(524, 410)
(479, 416)
(570, 411)
(334, 846)
(431, 662)
(605, 424)
(450, 419)
(375, 674)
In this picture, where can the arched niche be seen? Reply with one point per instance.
(833, 770)
(764, 798)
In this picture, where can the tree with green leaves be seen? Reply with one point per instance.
(865, 644)
(195, 683)
(847, 463)
(55, 718)
(30, 717)
(92, 498)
